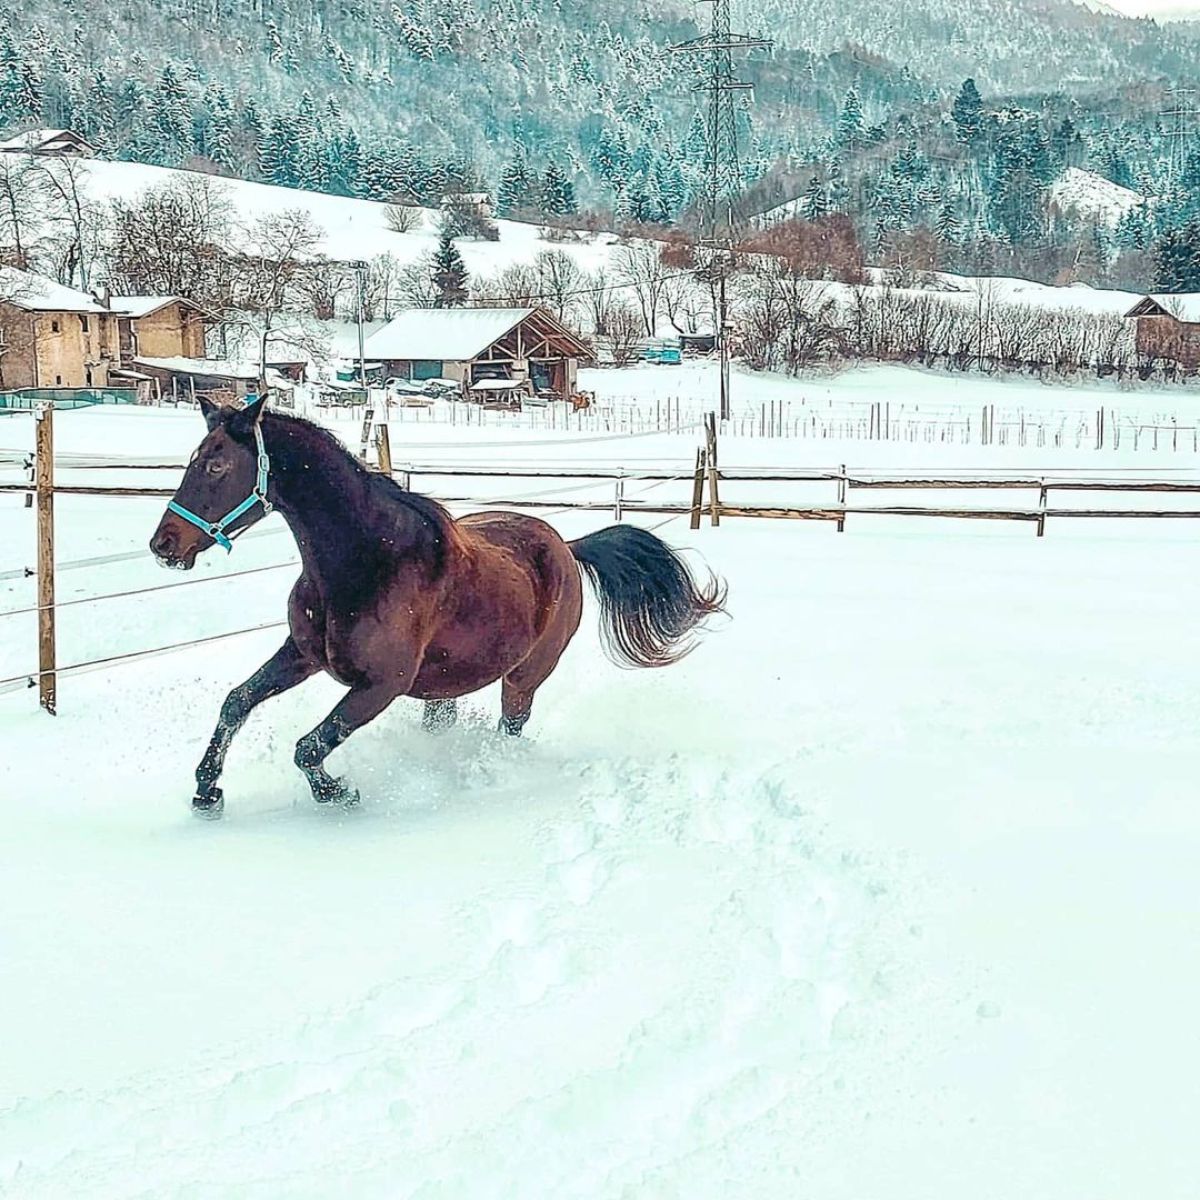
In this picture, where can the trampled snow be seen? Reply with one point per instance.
(886, 891)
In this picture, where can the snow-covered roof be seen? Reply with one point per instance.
(445, 334)
(1184, 306)
(36, 293)
(218, 367)
(43, 139)
(499, 385)
(143, 306)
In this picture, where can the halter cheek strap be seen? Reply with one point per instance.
(216, 529)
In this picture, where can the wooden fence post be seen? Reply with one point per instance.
(383, 448)
(698, 487)
(368, 421)
(619, 497)
(713, 475)
(47, 679)
(841, 521)
(1041, 521)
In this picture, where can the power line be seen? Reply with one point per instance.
(1181, 118)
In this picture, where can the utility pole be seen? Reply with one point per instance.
(724, 174)
(360, 269)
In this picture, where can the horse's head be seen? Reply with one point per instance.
(223, 488)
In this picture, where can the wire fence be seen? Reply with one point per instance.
(639, 493)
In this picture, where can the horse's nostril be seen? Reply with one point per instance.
(162, 544)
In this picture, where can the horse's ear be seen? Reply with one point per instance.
(243, 420)
(212, 413)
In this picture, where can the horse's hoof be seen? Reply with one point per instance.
(210, 805)
(337, 793)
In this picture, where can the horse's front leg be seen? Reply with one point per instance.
(285, 669)
(363, 703)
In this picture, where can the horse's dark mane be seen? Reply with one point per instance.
(373, 502)
(382, 487)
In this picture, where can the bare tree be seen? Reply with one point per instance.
(518, 284)
(684, 302)
(403, 218)
(597, 300)
(639, 266)
(76, 220)
(323, 283)
(22, 209)
(279, 249)
(379, 294)
(414, 286)
(624, 324)
(559, 278)
(174, 240)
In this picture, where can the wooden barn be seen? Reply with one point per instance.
(1168, 326)
(49, 143)
(472, 345)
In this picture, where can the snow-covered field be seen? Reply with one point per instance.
(887, 891)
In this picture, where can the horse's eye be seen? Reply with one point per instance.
(217, 467)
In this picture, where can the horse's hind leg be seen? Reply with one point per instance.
(519, 685)
(439, 715)
(516, 704)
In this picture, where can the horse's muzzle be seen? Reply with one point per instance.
(172, 546)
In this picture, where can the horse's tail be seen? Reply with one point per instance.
(649, 602)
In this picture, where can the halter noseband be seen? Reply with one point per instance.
(216, 529)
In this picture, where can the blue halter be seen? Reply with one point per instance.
(216, 529)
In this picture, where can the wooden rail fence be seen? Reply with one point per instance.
(706, 478)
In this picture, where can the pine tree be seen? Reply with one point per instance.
(850, 123)
(519, 190)
(277, 154)
(174, 116)
(838, 192)
(813, 203)
(449, 275)
(557, 194)
(1177, 260)
(220, 127)
(968, 113)
(947, 227)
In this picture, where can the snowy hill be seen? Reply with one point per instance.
(353, 228)
(1086, 196)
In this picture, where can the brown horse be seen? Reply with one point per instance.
(396, 598)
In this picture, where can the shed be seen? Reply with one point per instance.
(49, 143)
(473, 344)
(189, 376)
(1168, 326)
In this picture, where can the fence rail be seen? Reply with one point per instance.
(704, 483)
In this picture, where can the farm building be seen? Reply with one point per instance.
(1168, 326)
(49, 143)
(472, 345)
(181, 377)
(53, 336)
(161, 326)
